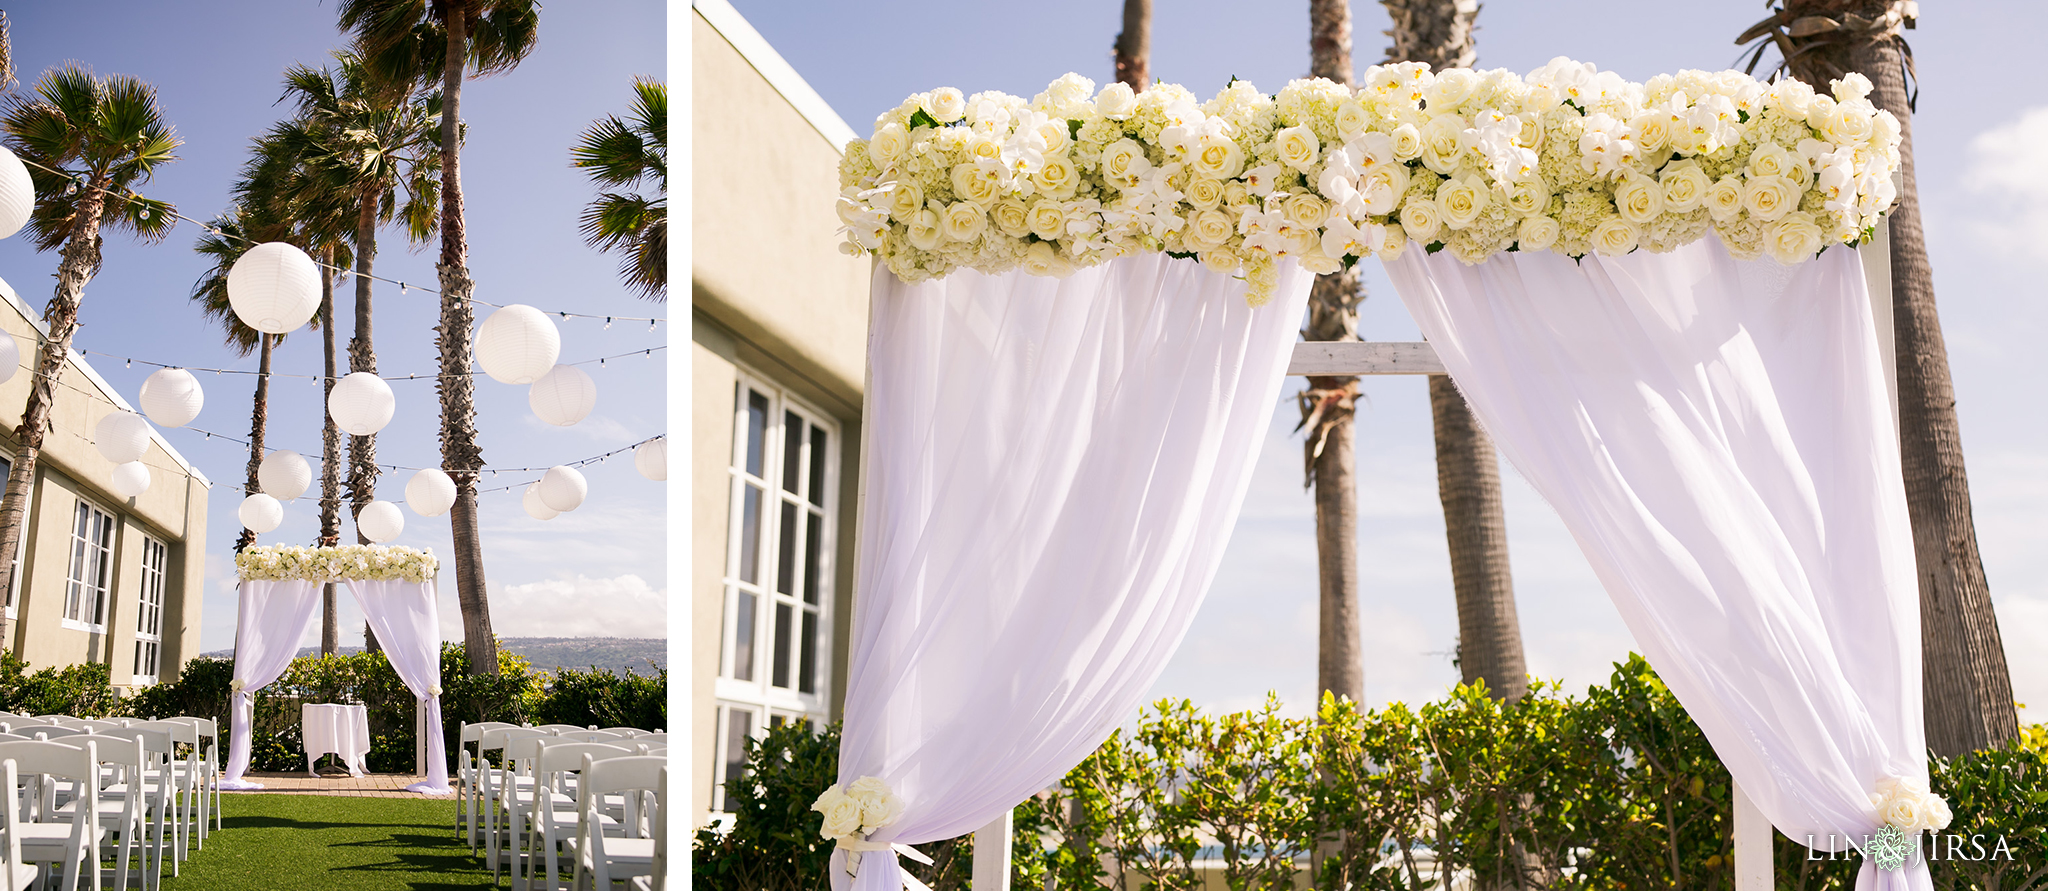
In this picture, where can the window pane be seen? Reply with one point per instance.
(792, 450)
(785, 563)
(750, 534)
(818, 466)
(782, 629)
(743, 636)
(757, 431)
(815, 534)
(807, 669)
(738, 726)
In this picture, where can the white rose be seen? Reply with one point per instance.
(842, 813)
(1306, 210)
(1884, 129)
(1640, 199)
(890, 144)
(964, 221)
(1205, 193)
(1793, 238)
(1297, 147)
(971, 184)
(1451, 87)
(1124, 163)
(1116, 101)
(1057, 177)
(945, 105)
(1769, 198)
(1724, 198)
(1407, 142)
(1536, 233)
(1209, 230)
(1461, 199)
(1850, 124)
(1685, 186)
(1653, 129)
(1615, 236)
(925, 231)
(1041, 259)
(1048, 219)
(1420, 219)
(1443, 142)
(1791, 98)
(982, 147)
(1011, 218)
(1352, 120)
(1851, 87)
(1216, 157)
(904, 200)
(1819, 110)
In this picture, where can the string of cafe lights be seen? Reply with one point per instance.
(319, 378)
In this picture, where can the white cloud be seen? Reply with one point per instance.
(2009, 179)
(579, 606)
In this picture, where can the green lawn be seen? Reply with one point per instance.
(318, 842)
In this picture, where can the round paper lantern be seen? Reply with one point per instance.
(122, 437)
(361, 403)
(260, 513)
(131, 479)
(274, 288)
(430, 493)
(562, 488)
(17, 194)
(284, 474)
(10, 357)
(171, 397)
(651, 459)
(563, 396)
(534, 507)
(380, 521)
(517, 344)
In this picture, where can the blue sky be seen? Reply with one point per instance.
(1982, 151)
(598, 570)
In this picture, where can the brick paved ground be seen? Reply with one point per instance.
(334, 782)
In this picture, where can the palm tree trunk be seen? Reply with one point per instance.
(1435, 31)
(1134, 46)
(460, 455)
(362, 356)
(330, 460)
(80, 260)
(259, 416)
(1468, 481)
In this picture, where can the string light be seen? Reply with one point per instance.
(317, 378)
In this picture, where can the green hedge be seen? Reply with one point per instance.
(1616, 789)
(78, 690)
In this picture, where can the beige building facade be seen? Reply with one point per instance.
(102, 578)
(778, 360)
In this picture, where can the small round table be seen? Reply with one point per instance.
(335, 728)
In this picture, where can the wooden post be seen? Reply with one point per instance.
(419, 737)
(1753, 868)
(992, 855)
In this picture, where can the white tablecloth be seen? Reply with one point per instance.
(342, 730)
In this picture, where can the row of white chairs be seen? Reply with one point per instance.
(591, 796)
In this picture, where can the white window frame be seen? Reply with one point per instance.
(20, 541)
(102, 566)
(760, 692)
(149, 611)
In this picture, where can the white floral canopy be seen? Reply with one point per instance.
(1648, 292)
(279, 595)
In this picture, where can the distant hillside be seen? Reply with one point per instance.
(615, 654)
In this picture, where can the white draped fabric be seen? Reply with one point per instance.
(272, 616)
(1718, 438)
(1052, 469)
(407, 623)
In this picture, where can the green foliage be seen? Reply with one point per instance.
(81, 690)
(1993, 793)
(604, 699)
(774, 842)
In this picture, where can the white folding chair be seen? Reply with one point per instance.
(657, 736)
(158, 784)
(558, 728)
(628, 732)
(466, 767)
(55, 731)
(186, 783)
(603, 858)
(15, 875)
(498, 784)
(74, 842)
(554, 822)
(121, 812)
(590, 736)
(207, 765)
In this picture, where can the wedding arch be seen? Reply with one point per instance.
(1082, 309)
(279, 594)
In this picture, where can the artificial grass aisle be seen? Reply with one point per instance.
(320, 842)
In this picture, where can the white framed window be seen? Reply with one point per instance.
(92, 566)
(776, 634)
(149, 612)
(738, 723)
(20, 544)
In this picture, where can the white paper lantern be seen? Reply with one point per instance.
(563, 396)
(10, 357)
(17, 194)
(651, 459)
(562, 488)
(361, 403)
(534, 507)
(171, 397)
(430, 493)
(284, 474)
(131, 479)
(517, 344)
(274, 288)
(122, 437)
(260, 513)
(380, 521)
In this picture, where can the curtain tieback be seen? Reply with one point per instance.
(855, 846)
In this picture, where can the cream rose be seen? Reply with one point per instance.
(1615, 236)
(925, 229)
(1791, 98)
(890, 144)
(1461, 199)
(879, 806)
(1305, 210)
(905, 199)
(1352, 120)
(1048, 219)
(972, 184)
(984, 147)
(1041, 259)
(1724, 198)
(1124, 163)
(1383, 187)
(1771, 159)
(842, 814)
(964, 221)
(1204, 193)
(1529, 197)
(1850, 124)
(1297, 147)
(1685, 186)
(946, 105)
(1536, 233)
(1851, 87)
(1216, 157)
(1639, 199)
(1392, 249)
(1235, 194)
(1208, 230)
(1407, 142)
(1421, 219)
(1452, 86)
(1794, 238)
(1057, 178)
(1653, 129)
(1769, 198)
(1011, 218)
(1116, 101)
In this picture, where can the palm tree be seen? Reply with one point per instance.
(622, 154)
(420, 41)
(1966, 688)
(88, 141)
(1134, 46)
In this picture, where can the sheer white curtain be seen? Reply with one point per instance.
(271, 619)
(407, 623)
(1052, 469)
(1718, 438)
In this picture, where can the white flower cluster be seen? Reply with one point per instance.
(857, 811)
(1568, 159)
(370, 563)
(1907, 803)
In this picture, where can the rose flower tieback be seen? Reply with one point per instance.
(1907, 808)
(853, 815)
